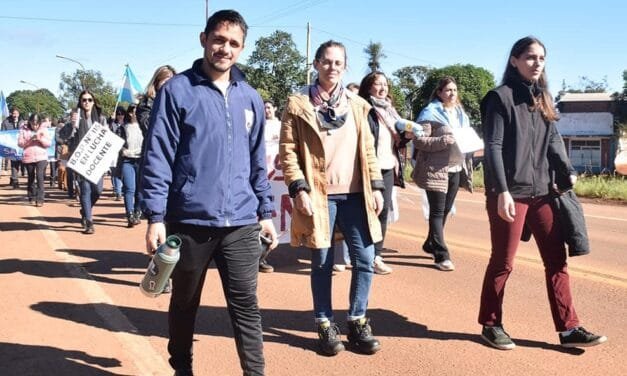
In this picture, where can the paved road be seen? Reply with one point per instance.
(70, 303)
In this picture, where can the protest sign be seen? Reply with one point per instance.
(95, 152)
(467, 140)
(9, 148)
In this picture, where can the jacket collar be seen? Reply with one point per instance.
(197, 76)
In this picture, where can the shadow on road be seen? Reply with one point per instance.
(20, 359)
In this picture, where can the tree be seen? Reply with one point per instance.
(276, 68)
(625, 82)
(409, 80)
(40, 101)
(472, 85)
(72, 85)
(375, 54)
(587, 85)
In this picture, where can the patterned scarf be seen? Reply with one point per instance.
(331, 108)
(387, 115)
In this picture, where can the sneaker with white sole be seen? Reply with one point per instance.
(446, 265)
(339, 267)
(580, 337)
(380, 267)
(497, 337)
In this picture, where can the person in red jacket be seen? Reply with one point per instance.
(34, 139)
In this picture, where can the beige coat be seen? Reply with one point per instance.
(303, 161)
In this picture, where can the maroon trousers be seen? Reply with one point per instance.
(538, 214)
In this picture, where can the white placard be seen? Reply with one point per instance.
(467, 140)
(94, 154)
(282, 213)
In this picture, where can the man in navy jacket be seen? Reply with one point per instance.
(204, 179)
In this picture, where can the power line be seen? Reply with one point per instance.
(300, 5)
(69, 20)
(366, 45)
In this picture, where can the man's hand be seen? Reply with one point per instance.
(302, 203)
(155, 235)
(267, 228)
(378, 201)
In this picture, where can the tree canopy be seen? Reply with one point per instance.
(71, 86)
(275, 68)
(409, 81)
(40, 101)
(374, 52)
(472, 85)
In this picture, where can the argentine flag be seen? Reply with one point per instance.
(130, 87)
(3, 106)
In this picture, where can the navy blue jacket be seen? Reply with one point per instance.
(204, 161)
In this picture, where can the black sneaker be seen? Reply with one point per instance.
(183, 372)
(264, 267)
(580, 337)
(497, 337)
(329, 338)
(89, 227)
(360, 336)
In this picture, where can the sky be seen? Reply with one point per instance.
(582, 38)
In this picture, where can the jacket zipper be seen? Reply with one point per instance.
(229, 156)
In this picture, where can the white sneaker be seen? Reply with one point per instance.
(380, 267)
(339, 267)
(446, 265)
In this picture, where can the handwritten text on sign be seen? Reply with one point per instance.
(94, 154)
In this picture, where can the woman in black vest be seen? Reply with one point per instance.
(520, 138)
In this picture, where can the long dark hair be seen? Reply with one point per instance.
(96, 105)
(33, 118)
(543, 99)
(441, 85)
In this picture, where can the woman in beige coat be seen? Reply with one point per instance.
(328, 159)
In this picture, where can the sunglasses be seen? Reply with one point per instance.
(87, 100)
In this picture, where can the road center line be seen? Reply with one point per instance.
(145, 358)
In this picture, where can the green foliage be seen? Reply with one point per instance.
(587, 85)
(606, 187)
(374, 52)
(472, 85)
(40, 101)
(398, 99)
(71, 86)
(276, 68)
(409, 80)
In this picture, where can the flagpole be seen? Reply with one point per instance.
(117, 101)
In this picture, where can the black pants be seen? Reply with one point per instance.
(236, 252)
(35, 186)
(15, 171)
(440, 205)
(388, 181)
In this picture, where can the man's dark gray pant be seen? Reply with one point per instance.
(236, 252)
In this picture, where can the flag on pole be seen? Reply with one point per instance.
(130, 87)
(3, 106)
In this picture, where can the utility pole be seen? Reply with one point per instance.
(206, 10)
(308, 62)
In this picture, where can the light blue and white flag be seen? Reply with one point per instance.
(3, 105)
(130, 87)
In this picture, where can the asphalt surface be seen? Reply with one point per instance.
(71, 306)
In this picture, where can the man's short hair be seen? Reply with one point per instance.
(229, 16)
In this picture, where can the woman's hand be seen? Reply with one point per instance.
(302, 202)
(378, 201)
(506, 207)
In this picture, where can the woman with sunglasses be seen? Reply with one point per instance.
(72, 134)
(34, 139)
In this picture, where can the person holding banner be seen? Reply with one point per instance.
(204, 179)
(72, 134)
(34, 139)
(440, 167)
(13, 122)
(331, 170)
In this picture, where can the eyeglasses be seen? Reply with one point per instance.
(87, 100)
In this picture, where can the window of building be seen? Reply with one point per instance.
(585, 155)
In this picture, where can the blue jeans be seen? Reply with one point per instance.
(90, 193)
(116, 182)
(349, 212)
(130, 172)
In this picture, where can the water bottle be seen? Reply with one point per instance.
(161, 267)
(409, 126)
